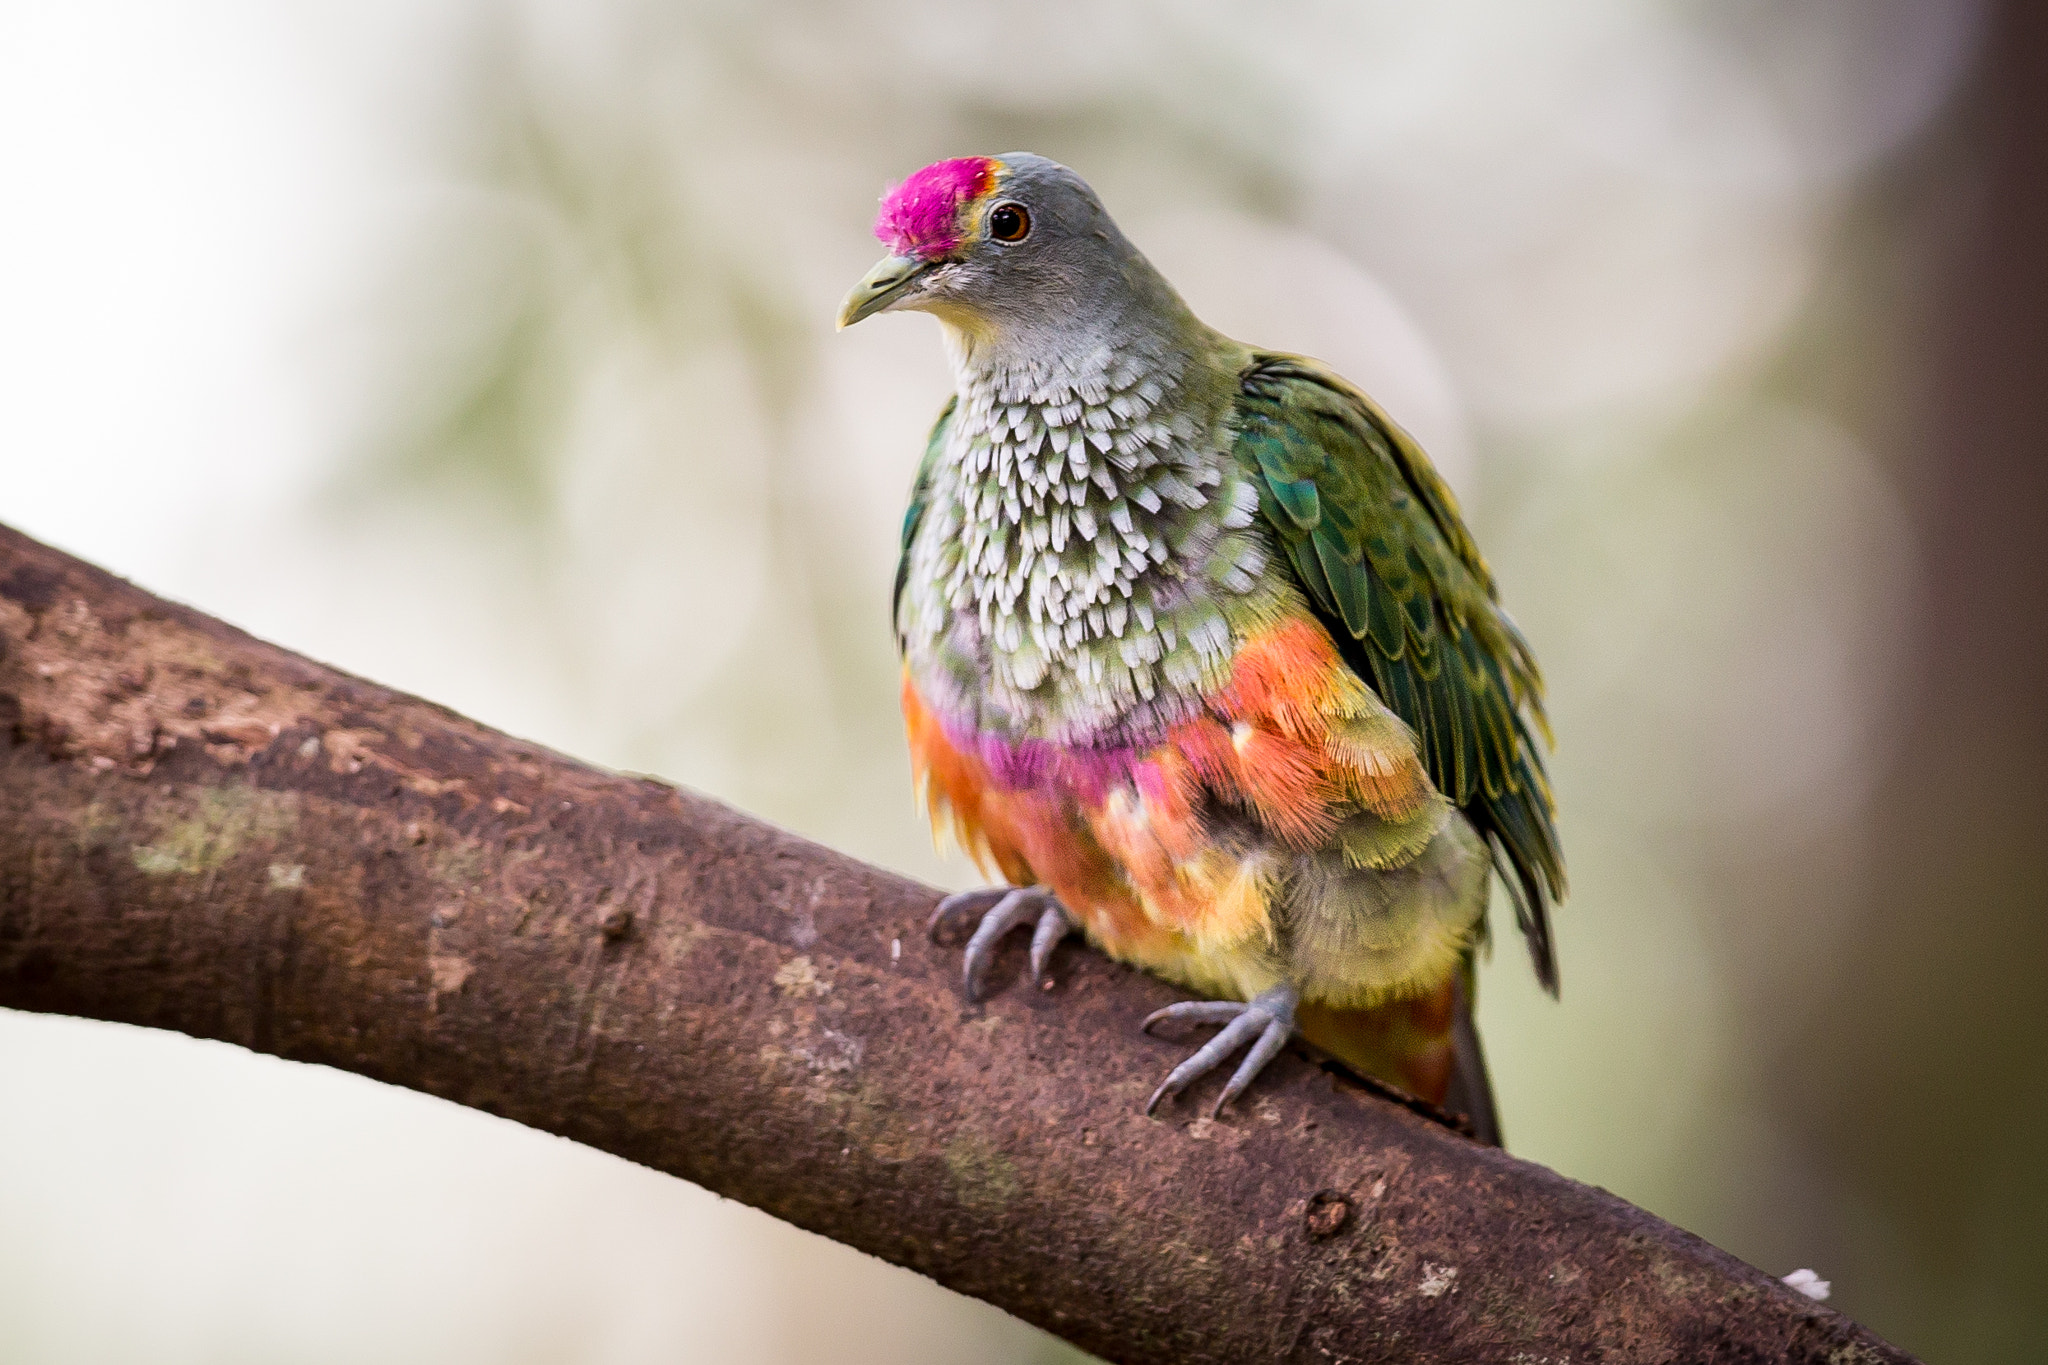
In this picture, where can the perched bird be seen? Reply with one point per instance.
(1198, 654)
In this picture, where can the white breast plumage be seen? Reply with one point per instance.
(1070, 564)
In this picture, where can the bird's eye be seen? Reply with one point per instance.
(1009, 223)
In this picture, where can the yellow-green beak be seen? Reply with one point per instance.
(891, 278)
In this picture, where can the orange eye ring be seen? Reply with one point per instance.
(1009, 222)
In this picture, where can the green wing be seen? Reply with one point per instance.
(920, 495)
(1376, 540)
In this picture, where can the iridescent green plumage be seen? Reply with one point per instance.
(1377, 542)
(920, 495)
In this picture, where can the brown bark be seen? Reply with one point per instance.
(205, 833)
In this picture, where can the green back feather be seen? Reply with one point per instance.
(920, 497)
(1375, 538)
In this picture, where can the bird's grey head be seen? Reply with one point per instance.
(1011, 252)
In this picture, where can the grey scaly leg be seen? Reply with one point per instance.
(1266, 1022)
(1002, 909)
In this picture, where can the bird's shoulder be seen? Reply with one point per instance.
(1321, 444)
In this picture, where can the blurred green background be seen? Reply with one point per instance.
(485, 349)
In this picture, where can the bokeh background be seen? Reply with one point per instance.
(484, 348)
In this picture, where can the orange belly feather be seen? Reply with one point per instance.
(1288, 737)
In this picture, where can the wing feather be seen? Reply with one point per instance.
(1376, 541)
(913, 515)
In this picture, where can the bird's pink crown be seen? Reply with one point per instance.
(921, 216)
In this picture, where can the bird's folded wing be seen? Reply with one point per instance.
(1376, 540)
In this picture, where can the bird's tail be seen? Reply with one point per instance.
(1471, 1089)
(1427, 1047)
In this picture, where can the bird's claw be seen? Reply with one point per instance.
(960, 906)
(1001, 910)
(1266, 1022)
(1054, 925)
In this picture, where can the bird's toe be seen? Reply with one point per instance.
(961, 907)
(1001, 911)
(1264, 1023)
(1195, 1012)
(1054, 924)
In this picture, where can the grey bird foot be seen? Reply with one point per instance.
(1002, 909)
(1267, 1022)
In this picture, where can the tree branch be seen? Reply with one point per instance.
(205, 833)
